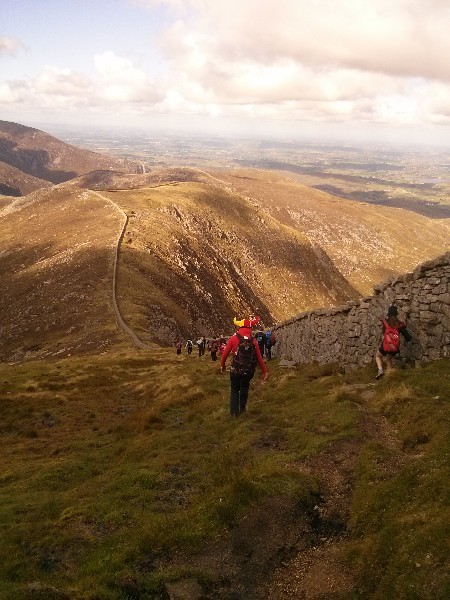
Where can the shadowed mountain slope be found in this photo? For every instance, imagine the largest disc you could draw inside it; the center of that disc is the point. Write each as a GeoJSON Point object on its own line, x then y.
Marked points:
{"type": "Point", "coordinates": [194, 256]}
{"type": "Point", "coordinates": [239, 242]}
{"type": "Point", "coordinates": [45, 157]}
{"type": "Point", "coordinates": [15, 183]}
{"type": "Point", "coordinates": [56, 261]}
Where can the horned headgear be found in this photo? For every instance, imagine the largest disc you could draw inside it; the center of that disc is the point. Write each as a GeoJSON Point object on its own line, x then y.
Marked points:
{"type": "Point", "coordinates": [246, 322]}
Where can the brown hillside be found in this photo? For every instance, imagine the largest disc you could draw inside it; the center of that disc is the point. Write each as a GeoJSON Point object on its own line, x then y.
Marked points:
{"type": "Point", "coordinates": [14, 182]}
{"type": "Point", "coordinates": [114, 180]}
{"type": "Point", "coordinates": [56, 253]}
{"type": "Point", "coordinates": [45, 157]}
{"type": "Point", "coordinates": [367, 243]}
{"type": "Point", "coordinates": [259, 241]}
{"type": "Point", "coordinates": [194, 256]}
{"type": "Point", "coordinates": [195, 253]}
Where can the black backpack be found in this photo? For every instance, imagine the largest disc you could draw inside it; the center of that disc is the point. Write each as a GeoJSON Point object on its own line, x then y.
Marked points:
{"type": "Point", "coordinates": [245, 361]}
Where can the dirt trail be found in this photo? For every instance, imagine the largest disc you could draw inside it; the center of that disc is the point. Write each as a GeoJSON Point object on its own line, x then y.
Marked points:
{"type": "Point", "coordinates": [136, 341]}
{"type": "Point", "coordinates": [320, 570]}
{"type": "Point", "coordinates": [283, 551]}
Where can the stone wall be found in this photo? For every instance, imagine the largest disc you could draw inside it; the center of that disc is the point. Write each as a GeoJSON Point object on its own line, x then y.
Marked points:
{"type": "Point", "coordinates": [350, 334]}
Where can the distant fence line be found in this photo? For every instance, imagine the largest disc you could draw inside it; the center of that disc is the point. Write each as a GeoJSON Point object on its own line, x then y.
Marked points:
{"type": "Point", "coordinates": [349, 335]}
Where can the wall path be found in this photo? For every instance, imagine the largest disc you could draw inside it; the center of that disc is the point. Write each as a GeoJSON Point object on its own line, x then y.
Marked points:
{"type": "Point", "coordinates": [349, 335]}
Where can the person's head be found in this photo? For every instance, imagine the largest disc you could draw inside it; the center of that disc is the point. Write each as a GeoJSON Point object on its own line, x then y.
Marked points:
{"type": "Point", "coordinates": [392, 315]}
{"type": "Point", "coordinates": [392, 311]}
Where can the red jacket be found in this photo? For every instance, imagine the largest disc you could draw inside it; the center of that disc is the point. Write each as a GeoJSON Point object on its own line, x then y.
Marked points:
{"type": "Point", "coordinates": [233, 344]}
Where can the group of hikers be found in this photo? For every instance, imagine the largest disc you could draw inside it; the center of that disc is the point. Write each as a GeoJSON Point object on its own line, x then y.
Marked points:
{"type": "Point", "coordinates": [249, 351]}
{"type": "Point", "coordinates": [213, 345]}
{"type": "Point", "coordinates": [266, 339]}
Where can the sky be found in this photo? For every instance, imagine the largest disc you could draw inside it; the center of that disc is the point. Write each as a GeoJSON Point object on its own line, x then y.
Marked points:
{"type": "Point", "coordinates": [356, 69]}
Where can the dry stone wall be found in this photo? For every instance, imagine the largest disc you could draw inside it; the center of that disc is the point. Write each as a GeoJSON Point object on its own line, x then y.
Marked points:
{"type": "Point", "coordinates": [350, 334]}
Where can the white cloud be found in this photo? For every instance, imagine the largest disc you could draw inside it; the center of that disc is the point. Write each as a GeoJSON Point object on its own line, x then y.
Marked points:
{"type": "Point", "coordinates": [337, 61]}
{"type": "Point", "coordinates": [61, 82]}
{"type": "Point", "coordinates": [121, 81]}
{"type": "Point", "coordinates": [13, 92]}
{"type": "Point", "coordinates": [9, 46]}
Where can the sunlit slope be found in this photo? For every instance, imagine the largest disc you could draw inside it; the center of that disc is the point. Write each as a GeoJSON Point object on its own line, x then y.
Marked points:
{"type": "Point", "coordinates": [56, 259]}
{"type": "Point", "coordinates": [195, 255]}
{"type": "Point", "coordinates": [122, 474]}
{"type": "Point", "coordinates": [366, 243]}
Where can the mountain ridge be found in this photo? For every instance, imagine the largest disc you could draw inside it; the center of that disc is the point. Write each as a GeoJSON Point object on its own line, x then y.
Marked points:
{"type": "Point", "coordinates": [200, 247]}
{"type": "Point", "coordinates": [43, 156]}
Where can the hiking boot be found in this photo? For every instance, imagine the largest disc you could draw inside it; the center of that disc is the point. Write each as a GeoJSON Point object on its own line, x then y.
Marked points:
{"type": "Point", "coordinates": [380, 374]}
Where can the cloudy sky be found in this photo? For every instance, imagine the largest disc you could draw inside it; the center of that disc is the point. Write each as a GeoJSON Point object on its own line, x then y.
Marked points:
{"type": "Point", "coordinates": [296, 67]}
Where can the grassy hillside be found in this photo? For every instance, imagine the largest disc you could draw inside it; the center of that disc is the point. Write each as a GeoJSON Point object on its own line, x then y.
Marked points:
{"type": "Point", "coordinates": [123, 476]}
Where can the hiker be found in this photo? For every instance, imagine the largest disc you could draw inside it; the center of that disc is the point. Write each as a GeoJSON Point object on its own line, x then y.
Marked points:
{"type": "Point", "coordinates": [246, 355]}
{"type": "Point", "coordinates": [261, 339]}
{"type": "Point", "coordinates": [213, 348]}
{"type": "Point", "coordinates": [222, 344]}
{"type": "Point", "coordinates": [390, 345]}
{"type": "Point", "coordinates": [189, 345]}
{"type": "Point", "coordinates": [270, 342]}
{"type": "Point", "coordinates": [178, 346]}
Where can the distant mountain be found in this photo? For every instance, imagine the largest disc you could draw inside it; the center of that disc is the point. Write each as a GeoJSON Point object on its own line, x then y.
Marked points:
{"type": "Point", "coordinates": [45, 157]}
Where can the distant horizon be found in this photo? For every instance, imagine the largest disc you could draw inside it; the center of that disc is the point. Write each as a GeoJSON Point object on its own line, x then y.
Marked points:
{"type": "Point", "coordinates": [337, 69]}
{"type": "Point", "coordinates": [341, 136]}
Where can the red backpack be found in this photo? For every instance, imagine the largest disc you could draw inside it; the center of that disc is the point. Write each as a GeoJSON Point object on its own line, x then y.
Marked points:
{"type": "Point", "coordinates": [391, 338]}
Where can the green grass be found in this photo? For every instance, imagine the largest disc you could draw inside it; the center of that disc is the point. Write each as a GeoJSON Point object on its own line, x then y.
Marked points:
{"type": "Point", "coordinates": [114, 465]}
{"type": "Point", "coordinates": [400, 521]}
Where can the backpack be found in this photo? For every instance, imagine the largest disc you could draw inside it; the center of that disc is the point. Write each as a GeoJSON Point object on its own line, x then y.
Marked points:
{"type": "Point", "coordinates": [245, 361]}
{"type": "Point", "coordinates": [391, 338]}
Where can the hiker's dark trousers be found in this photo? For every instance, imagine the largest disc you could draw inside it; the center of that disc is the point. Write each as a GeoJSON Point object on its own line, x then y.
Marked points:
{"type": "Point", "coordinates": [239, 393]}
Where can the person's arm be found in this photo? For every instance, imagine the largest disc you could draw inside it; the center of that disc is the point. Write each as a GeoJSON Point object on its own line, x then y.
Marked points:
{"type": "Point", "coordinates": [228, 348]}
{"type": "Point", "coordinates": [405, 333]}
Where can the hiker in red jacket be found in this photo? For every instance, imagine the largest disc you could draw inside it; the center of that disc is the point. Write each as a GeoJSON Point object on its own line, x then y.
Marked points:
{"type": "Point", "coordinates": [246, 355]}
